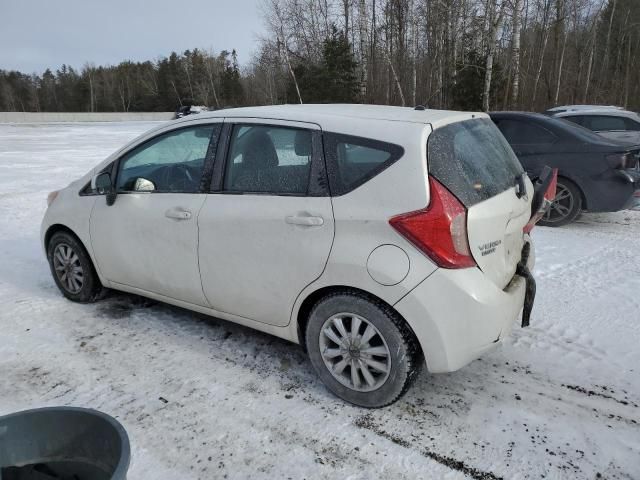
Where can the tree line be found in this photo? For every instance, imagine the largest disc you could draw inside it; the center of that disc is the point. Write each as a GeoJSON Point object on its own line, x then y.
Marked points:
{"type": "Point", "coordinates": [457, 54]}
{"type": "Point", "coordinates": [193, 76]}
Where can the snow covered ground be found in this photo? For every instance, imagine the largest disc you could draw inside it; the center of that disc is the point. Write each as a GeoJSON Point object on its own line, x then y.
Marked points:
{"type": "Point", "coordinates": [203, 398]}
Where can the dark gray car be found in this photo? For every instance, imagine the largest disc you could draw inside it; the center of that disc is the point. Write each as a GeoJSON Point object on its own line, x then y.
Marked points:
{"type": "Point", "coordinates": [594, 173]}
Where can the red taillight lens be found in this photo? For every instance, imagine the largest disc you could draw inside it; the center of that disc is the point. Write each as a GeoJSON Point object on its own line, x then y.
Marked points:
{"type": "Point", "coordinates": [440, 230]}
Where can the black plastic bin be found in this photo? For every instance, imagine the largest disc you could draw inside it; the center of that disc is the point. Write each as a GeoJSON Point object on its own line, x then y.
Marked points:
{"type": "Point", "coordinates": [65, 443]}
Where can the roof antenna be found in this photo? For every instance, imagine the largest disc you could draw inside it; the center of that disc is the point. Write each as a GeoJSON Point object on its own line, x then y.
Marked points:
{"type": "Point", "coordinates": [419, 107]}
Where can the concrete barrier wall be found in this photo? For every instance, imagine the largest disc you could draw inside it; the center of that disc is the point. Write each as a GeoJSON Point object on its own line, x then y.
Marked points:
{"type": "Point", "coordinates": [44, 117]}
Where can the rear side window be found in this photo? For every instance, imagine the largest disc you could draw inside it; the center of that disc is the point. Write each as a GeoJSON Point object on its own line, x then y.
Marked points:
{"type": "Point", "coordinates": [605, 123]}
{"type": "Point", "coordinates": [269, 159]}
{"type": "Point", "coordinates": [351, 160]}
{"type": "Point", "coordinates": [523, 133]}
{"type": "Point", "coordinates": [632, 125]}
{"type": "Point", "coordinates": [472, 160]}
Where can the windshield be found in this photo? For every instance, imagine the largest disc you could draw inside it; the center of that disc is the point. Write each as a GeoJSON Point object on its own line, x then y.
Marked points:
{"type": "Point", "coordinates": [473, 160]}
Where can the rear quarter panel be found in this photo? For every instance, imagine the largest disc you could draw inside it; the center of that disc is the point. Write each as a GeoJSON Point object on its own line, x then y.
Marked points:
{"type": "Point", "coordinates": [602, 188]}
{"type": "Point", "coordinates": [362, 215]}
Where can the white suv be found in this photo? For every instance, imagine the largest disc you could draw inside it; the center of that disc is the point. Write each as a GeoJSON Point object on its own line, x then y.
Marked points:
{"type": "Point", "coordinates": [379, 238]}
{"type": "Point", "coordinates": [613, 123]}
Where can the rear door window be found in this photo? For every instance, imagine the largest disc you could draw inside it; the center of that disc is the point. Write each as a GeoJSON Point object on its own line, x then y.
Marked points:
{"type": "Point", "coordinates": [351, 160]}
{"type": "Point", "coordinates": [269, 159]}
{"type": "Point", "coordinates": [522, 133]}
{"type": "Point", "coordinates": [473, 160]}
{"type": "Point", "coordinates": [579, 119]}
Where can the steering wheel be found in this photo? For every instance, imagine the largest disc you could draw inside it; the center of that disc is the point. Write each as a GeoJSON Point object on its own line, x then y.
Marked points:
{"type": "Point", "coordinates": [177, 178]}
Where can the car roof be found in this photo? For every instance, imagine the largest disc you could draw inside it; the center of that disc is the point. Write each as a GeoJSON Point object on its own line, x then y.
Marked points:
{"type": "Point", "coordinates": [512, 114]}
{"type": "Point", "coordinates": [602, 111]}
{"type": "Point", "coordinates": [583, 107]}
{"type": "Point", "coordinates": [320, 112]}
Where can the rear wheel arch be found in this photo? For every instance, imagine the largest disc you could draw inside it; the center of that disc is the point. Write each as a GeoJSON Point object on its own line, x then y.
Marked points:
{"type": "Point", "coordinates": [367, 374]}
{"type": "Point", "coordinates": [566, 206]}
{"type": "Point", "coordinates": [302, 318]}
{"type": "Point", "coordinates": [564, 176]}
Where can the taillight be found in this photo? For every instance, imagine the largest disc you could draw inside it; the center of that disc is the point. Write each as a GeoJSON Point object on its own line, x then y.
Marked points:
{"type": "Point", "coordinates": [439, 230]}
{"type": "Point", "coordinates": [622, 160]}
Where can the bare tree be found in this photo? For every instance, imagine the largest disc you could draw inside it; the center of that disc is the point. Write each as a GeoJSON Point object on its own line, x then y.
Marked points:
{"type": "Point", "coordinates": [515, 51]}
{"type": "Point", "coordinates": [495, 14]}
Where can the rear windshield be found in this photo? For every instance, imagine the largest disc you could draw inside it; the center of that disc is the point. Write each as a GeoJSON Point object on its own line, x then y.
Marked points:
{"type": "Point", "coordinates": [473, 160]}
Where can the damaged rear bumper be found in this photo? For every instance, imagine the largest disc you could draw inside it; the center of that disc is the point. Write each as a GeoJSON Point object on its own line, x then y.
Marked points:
{"type": "Point", "coordinates": [458, 315]}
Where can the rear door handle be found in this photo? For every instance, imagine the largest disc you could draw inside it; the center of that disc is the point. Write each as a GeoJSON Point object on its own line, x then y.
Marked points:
{"type": "Point", "coordinates": [306, 220]}
{"type": "Point", "coordinates": [178, 214]}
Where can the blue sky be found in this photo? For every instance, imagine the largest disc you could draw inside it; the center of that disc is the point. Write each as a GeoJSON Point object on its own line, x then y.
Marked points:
{"type": "Point", "coordinates": [36, 34]}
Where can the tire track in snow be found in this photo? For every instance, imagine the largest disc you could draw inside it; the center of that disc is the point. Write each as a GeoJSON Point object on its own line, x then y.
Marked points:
{"type": "Point", "coordinates": [131, 322]}
{"type": "Point", "coordinates": [367, 422]}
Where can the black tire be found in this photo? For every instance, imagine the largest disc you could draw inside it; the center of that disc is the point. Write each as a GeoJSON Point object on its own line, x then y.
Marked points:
{"type": "Point", "coordinates": [403, 359]}
{"type": "Point", "coordinates": [90, 289]}
{"type": "Point", "coordinates": [566, 206]}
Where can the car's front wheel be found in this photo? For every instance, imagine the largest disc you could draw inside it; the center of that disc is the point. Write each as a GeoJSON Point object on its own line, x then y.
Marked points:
{"type": "Point", "coordinates": [361, 349]}
{"type": "Point", "coordinates": [566, 206]}
{"type": "Point", "coordinates": [72, 268]}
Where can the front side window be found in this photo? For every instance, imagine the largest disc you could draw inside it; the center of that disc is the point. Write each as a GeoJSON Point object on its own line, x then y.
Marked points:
{"type": "Point", "coordinates": [170, 163]}
{"type": "Point", "coordinates": [579, 119]}
{"type": "Point", "coordinates": [268, 159]}
{"type": "Point", "coordinates": [472, 160]}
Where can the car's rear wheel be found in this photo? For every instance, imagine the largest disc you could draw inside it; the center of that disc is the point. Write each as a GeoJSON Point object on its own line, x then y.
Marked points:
{"type": "Point", "coordinates": [362, 350]}
{"type": "Point", "coordinates": [566, 206]}
{"type": "Point", "coordinates": [72, 268]}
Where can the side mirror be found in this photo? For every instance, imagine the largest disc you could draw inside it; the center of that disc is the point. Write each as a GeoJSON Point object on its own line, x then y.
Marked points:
{"type": "Point", "coordinates": [143, 185]}
{"type": "Point", "coordinates": [103, 185]}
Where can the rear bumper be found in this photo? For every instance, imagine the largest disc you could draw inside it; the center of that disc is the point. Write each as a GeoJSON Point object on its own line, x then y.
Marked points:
{"type": "Point", "coordinates": [458, 315]}
{"type": "Point", "coordinates": [612, 191]}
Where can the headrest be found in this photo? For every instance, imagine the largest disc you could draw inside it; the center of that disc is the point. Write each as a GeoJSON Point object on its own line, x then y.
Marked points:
{"type": "Point", "coordinates": [259, 151]}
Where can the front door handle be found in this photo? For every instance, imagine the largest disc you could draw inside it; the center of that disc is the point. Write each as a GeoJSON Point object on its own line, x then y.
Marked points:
{"type": "Point", "coordinates": [178, 214]}
{"type": "Point", "coordinates": [305, 220]}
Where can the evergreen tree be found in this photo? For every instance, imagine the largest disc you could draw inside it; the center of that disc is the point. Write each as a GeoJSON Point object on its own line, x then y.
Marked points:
{"type": "Point", "coordinates": [334, 79]}
{"type": "Point", "coordinates": [232, 91]}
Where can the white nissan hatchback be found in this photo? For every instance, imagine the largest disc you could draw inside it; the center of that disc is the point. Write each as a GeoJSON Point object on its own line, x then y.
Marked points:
{"type": "Point", "coordinates": [379, 238]}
